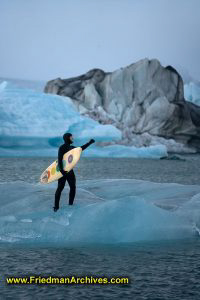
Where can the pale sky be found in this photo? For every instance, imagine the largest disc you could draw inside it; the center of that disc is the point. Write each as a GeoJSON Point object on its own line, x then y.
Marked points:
{"type": "Point", "coordinates": [46, 39]}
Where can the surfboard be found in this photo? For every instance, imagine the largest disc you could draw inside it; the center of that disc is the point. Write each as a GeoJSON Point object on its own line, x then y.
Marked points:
{"type": "Point", "coordinates": [53, 173]}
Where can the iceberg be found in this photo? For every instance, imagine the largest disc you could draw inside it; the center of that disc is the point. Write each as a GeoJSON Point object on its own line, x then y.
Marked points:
{"type": "Point", "coordinates": [32, 124]}
{"type": "Point", "coordinates": [142, 98]}
{"type": "Point", "coordinates": [110, 211]}
{"type": "Point", "coordinates": [192, 92]}
{"type": "Point", "coordinates": [3, 85]}
{"type": "Point", "coordinates": [128, 151]}
{"type": "Point", "coordinates": [24, 112]}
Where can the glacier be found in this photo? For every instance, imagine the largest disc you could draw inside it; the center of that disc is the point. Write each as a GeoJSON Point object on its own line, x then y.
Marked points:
{"type": "Point", "coordinates": [32, 124]}
{"type": "Point", "coordinates": [110, 211]}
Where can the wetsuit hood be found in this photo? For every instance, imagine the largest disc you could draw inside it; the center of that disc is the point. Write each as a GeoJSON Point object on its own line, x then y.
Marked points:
{"type": "Point", "coordinates": [66, 138]}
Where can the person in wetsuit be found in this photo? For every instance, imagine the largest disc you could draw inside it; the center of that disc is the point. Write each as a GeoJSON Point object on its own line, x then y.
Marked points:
{"type": "Point", "coordinates": [67, 176]}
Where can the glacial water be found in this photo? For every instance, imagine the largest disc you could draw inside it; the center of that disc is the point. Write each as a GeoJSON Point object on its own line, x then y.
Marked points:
{"type": "Point", "coordinates": [136, 218]}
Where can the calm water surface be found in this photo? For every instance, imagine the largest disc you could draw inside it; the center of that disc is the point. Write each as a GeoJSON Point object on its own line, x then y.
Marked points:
{"type": "Point", "coordinates": [180, 171]}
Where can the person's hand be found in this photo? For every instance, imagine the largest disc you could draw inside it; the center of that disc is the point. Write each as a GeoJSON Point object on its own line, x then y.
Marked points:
{"type": "Point", "coordinates": [64, 173]}
{"type": "Point", "coordinates": [92, 141]}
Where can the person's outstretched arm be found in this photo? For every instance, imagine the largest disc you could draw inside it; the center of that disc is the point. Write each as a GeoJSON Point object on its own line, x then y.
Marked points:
{"type": "Point", "coordinates": [88, 144]}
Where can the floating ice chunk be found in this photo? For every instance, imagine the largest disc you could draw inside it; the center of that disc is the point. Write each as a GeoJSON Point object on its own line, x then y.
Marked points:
{"type": "Point", "coordinates": [126, 151]}
{"type": "Point", "coordinates": [26, 220]}
{"type": "Point", "coordinates": [88, 128]}
{"type": "Point", "coordinates": [112, 211]}
{"type": "Point", "coordinates": [192, 92]}
{"type": "Point", "coordinates": [3, 85]}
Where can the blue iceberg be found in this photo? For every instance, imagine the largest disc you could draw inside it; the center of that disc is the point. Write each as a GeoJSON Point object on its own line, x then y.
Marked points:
{"type": "Point", "coordinates": [108, 211]}
{"type": "Point", "coordinates": [32, 124]}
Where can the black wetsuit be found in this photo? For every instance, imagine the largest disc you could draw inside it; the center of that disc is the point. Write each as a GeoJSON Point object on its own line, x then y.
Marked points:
{"type": "Point", "coordinates": [70, 176]}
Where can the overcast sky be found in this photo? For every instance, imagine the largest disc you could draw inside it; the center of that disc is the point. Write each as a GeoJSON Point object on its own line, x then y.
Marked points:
{"type": "Point", "coordinates": [45, 39]}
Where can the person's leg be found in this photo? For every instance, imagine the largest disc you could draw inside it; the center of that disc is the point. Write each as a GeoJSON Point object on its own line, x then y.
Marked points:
{"type": "Point", "coordinates": [61, 184]}
{"type": "Point", "coordinates": [71, 179]}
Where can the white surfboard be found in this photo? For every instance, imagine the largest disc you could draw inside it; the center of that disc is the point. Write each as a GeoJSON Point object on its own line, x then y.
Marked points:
{"type": "Point", "coordinates": [53, 173]}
